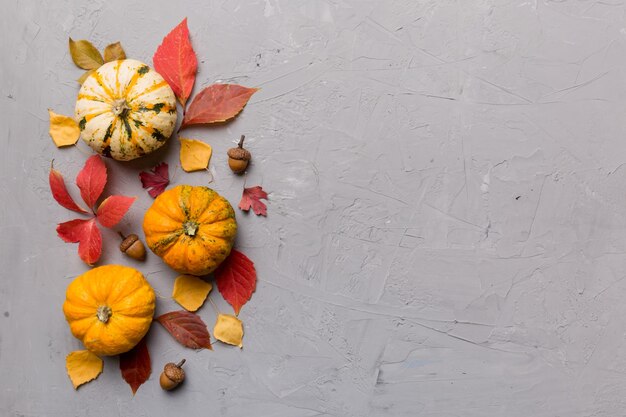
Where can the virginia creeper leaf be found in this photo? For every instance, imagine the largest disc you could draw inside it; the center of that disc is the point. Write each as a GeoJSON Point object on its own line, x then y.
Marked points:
{"type": "Point", "coordinates": [194, 154]}
{"type": "Point", "coordinates": [236, 279]}
{"type": "Point", "coordinates": [83, 366]}
{"type": "Point", "coordinates": [92, 179]}
{"type": "Point", "coordinates": [113, 208]}
{"type": "Point", "coordinates": [88, 236]}
{"type": "Point", "coordinates": [64, 130]}
{"type": "Point", "coordinates": [85, 55]}
{"type": "Point", "coordinates": [217, 103]}
{"type": "Point", "coordinates": [228, 329]}
{"type": "Point", "coordinates": [156, 180]}
{"type": "Point", "coordinates": [252, 198]}
{"type": "Point", "coordinates": [60, 193]}
{"type": "Point", "coordinates": [113, 52]}
{"type": "Point", "coordinates": [135, 365]}
{"type": "Point", "coordinates": [176, 61]}
{"type": "Point", "coordinates": [190, 291]}
{"type": "Point", "coordinates": [187, 328]}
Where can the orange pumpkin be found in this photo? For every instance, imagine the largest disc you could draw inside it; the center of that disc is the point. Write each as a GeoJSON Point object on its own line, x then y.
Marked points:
{"type": "Point", "coordinates": [192, 228]}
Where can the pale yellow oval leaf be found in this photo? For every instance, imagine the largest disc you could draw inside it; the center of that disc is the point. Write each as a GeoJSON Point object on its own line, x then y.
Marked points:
{"type": "Point", "coordinates": [85, 75]}
{"type": "Point", "coordinates": [85, 55]}
{"type": "Point", "coordinates": [190, 292]}
{"type": "Point", "coordinates": [194, 154]}
{"type": "Point", "coordinates": [64, 130]}
{"type": "Point", "coordinates": [228, 329]}
{"type": "Point", "coordinates": [83, 366]}
{"type": "Point", "coordinates": [114, 52]}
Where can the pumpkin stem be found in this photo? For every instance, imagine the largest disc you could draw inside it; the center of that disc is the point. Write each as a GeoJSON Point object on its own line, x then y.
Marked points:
{"type": "Point", "coordinates": [190, 228]}
{"type": "Point", "coordinates": [120, 108]}
{"type": "Point", "coordinates": [104, 313]}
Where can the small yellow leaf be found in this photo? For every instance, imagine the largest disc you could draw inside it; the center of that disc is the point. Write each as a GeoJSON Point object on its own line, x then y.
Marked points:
{"type": "Point", "coordinates": [83, 366]}
{"type": "Point", "coordinates": [228, 329]}
{"type": "Point", "coordinates": [85, 55]}
{"type": "Point", "coordinates": [194, 155]}
{"type": "Point", "coordinates": [85, 75]}
{"type": "Point", "coordinates": [64, 130]}
{"type": "Point", "coordinates": [190, 292]}
{"type": "Point", "coordinates": [114, 52]}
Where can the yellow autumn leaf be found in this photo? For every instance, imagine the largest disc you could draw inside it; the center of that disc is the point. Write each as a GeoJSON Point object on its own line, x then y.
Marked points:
{"type": "Point", "coordinates": [64, 130]}
{"type": "Point", "coordinates": [85, 75]}
{"type": "Point", "coordinates": [190, 292]}
{"type": "Point", "coordinates": [113, 52]}
{"type": "Point", "coordinates": [85, 55]}
{"type": "Point", "coordinates": [228, 329]}
{"type": "Point", "coordinates": [83, 366]}
{"type": "Point", "coordinates": [194, 154]}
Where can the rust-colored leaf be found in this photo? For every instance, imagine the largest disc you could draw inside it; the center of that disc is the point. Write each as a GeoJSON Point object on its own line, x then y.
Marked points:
{"type": "Point", "coordinates": [217, 103]}
{"type": "Point", "coordinates": [187, 328]}
{"type": "Point", "coordinates": [88, 236]}
{"type": "Point", "coordinates": [92, 179]}
{"type": "Point", "coordinates": [114, 52]}
{"type": "Point", "coordinates": [113, 208]}
{"type": "Point", "coordinates": [135, 365]}
{"type": "Point", "coordinates": [252, 198]}
{"type": "Point", "coordinates": [60, 193]}
{"type": "Point", "coordinates": [236, 279]}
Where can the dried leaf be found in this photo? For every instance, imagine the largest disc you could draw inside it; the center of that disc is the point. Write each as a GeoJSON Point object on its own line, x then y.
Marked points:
{"type": "Point", "coordinates": [64, 130]}
{"type": "Point", "coordinates": [252, 198]}
{"type": "Point", "coordinates": [92, 179]}
{"type": "Point", "coordinates": [114, 52]}
{"type": "Point", "coordinates": [156, 180]}
{"type": "Point", "coordinates": [217, 103]}
{"type": "Point", "coordinates": [176, 61]}
{"type": "Point", "coordinates": [228, 329]}
{"type": "Point", "coordinates": [85, 75]}
{"type": "Point", "coordinates": [85, 55]}
{"type": "Point", "coordinates": [194, 154]}
{"type": "Point", "coordinates": [135, 365]}
{"type": "Point", "coordinates": [236, 279]}
{"type": "Point", "coordinates": [60, 193]}
{"type": "Point", "coordinates": [113, 208]}
{"type": "Point", "coordinates": [83, 366]}
{"type": "Point", "coordinates": [190, 291]}
{"type": "Point", "coordinates": [187, 328]}
{"type": "Point", "coordinates": [88, 236]}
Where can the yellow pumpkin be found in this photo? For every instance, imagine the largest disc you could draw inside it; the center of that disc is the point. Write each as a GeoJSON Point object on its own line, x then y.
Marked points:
{"type": "Point", "coordinates": [125, 110]}
{"type": "Point", "coordinates": [192, 228]}
{"type": "Point", "coordinates": [109, 308]}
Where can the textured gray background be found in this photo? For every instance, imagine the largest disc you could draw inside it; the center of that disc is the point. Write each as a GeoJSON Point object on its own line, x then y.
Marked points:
{"type": "Point", "coordinates": [447, 225]}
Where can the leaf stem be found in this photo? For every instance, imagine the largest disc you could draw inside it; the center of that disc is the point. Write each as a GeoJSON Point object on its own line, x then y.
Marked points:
{"type": "Point", "coordinates": [213, 305]}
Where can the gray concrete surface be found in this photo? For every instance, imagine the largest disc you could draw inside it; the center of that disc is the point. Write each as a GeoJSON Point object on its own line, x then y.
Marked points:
{"type": "Point", "coordinates": [446, 231]}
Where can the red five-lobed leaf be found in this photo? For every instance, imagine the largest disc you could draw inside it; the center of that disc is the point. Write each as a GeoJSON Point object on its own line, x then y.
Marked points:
{"type": "Point", "coordinates": [156, 180]}
{"type": "Point", "coordinates": [236, 279]}
{"type": "Point", "coordinates": [187, 328]}
{"type": "Point", "coordinates": [88, 236]}
{"type": "Point", "coordinates": [135, 365]}
{"type": "Point", "coordinates": [113, 208]}
{"type": "Point", "coordinates": [59, 192]}
{"type": "Point", "coordinates": [252, 198]}
{"type": "Point", "coordinates": [217, 103]}
{"type": "Point", "coordinates": [176, 61]}
{"type": "Point", "coordinates": [92, 179]}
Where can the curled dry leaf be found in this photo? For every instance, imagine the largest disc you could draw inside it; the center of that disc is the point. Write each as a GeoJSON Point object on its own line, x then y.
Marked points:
{"type": "Point", "coordinates": [190, 291]}
{"type": "Point", "coordinates": [83, 366]}
{"type": "Point", "coordinates": [64, 130]}
{"type": "Point", "coordinates": [92, 179]}
{"type": "Point", "coordinates": [228, 329]}
{"type": "Point", "coordinates": [88, 236]}
{"type": "Point", "coordinates": [217, 103]}
{"type": "Point", "coordinates": [187, 328]}
{"type": "Point", "coordinates": [114, 52]}
{"type": "Point", "coordinates": [113, 208]}
{"type": "Point", "coordinates": [236, 279]}
{"type": "Point", "coordinates": [156, 180]}
{"type": "Point", "coordinates": [252, 197]}
{"type": "Point", "coordinates": [85, 55]}
{"type": "Point", "coordinates": [194, 154]}
{"type": "Point", "coordinates": [135, 365]}
{"type": "Point", "coordinates": [85, 75]}
{"type": "Point", "coordinates": [60, 193]}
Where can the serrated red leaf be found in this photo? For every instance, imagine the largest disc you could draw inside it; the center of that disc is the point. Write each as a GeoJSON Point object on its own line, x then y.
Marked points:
{"type": "Point", "coordinates": [176, 61]}
{"type": "Point", "coordinates": [113, 208]}
{"type": "Point", "coordinates": [60, 193]}
{"type": "Point", "coordinates": [187, 328]}
{"type": "Point", "coordinates": [252, 198]}
{"type": "Point", "coordinates": [91, 180]}
{"type": "Point", "coordinates": [236, 279]}
{"type": "Point", "coordinates": [88, 236]}
{"type": "Point", "coordinates": [156, 180]}
{"type": "Point", "coordinates": [135, 365]}
{"type": "Point", "coordinates": [217, 103]}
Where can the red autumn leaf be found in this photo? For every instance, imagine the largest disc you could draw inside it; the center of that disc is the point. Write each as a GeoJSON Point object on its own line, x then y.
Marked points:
{"type": "Point", "coordinates": [187, 328]}
{"type": "Point", "coordinates": [236, 279]}
{"type": "Point", "coordinates": [252, 198]}
{"type": "Point", "coordinates": [88, 236]}
{"type": "Point", "coordinates": [92, 179]}
{"type": "Point", "coordinates": [59, 192]}
{"type": "Point", "coordinates": [156, 180]}
{"type": "Point", "coordinates": [217, 103]}
{"type": "Point", "coordinates": [135, 365]}
{"type": "Point", "coordinates": [176, 61]}
{"type": "Point", "coordinates": [113, 208]}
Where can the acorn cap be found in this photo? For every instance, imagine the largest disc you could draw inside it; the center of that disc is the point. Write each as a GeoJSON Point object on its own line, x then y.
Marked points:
{"type": "Point", "coordinates": [128, 242]}
{"type": "Point", "coordinates": [239, 153]}
{"type": "Point", "coordinates": [174, 372]}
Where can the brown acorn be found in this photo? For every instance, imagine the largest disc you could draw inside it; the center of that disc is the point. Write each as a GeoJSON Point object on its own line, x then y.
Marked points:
{"type": "Point", "coordinates": [172, 375]}
{"type": "Point", "coordinates": [133, 247]}
{"type": "Point", "coordinates": [239, 157]}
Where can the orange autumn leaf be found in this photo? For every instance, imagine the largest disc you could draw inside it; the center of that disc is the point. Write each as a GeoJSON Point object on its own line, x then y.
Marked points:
{"type": "Point", "coordinates": [194, 154]}
{"type": "Point", "coordinates": [83, 366]}
{"type": "Point", "coordinates": [217, 103]}
{"type": "Point", "coordinates": [190, 291]}
{"type": "Point", "coordinates": [64, 130]}
{"type": "Point", "coordinates": [228, 329]}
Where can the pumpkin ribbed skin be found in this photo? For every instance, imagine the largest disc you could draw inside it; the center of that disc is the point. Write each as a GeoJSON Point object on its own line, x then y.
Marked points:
{"type": "Point", "coordinates": [192, 228]}
{"type": "Point", "coordinates": [125, 110]}
{"type": "Point", "coordinates": [130, 301]}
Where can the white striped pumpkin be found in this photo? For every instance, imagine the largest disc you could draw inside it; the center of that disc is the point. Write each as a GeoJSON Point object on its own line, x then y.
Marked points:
{"type": "Point", "coordinates": [125, 110]}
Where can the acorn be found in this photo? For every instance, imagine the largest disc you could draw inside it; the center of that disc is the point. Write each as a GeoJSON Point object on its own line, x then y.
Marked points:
{"type": "Point", "coordinates": [133, 247]}
{"type": "Point", "coordinates": [172, 375]}
{"type": "Point", "coordinates": [239, 157]}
